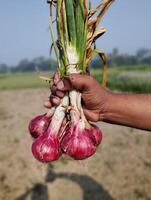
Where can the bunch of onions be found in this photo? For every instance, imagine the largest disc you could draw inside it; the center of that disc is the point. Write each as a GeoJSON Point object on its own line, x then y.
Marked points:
{"type": "Point", "coordinates": [77, 28]}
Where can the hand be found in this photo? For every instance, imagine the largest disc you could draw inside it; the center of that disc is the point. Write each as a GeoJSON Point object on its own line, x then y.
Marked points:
{"type": "Point", "coordinates": [93, 95]}
{"type": "Point", "coordinates": [133, 110]}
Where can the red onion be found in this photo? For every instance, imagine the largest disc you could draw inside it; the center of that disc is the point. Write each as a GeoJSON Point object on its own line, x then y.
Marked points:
{"type": "Point", "coordinates": [46, 148]}
{"type": "Point", "coordinates": [39, 124]}
{"type": "Point", "coordinates": [78, 142]}
{"type": "Point", "coordinates": [96, 132]}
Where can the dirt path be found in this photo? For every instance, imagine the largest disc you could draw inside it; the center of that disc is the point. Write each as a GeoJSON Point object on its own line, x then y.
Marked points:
{"type": "Point", "coordinates": [121, 168]}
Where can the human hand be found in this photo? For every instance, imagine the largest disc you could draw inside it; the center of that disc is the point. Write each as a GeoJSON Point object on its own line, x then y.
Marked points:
{"type": "Point", "coordinates": [93, 95]}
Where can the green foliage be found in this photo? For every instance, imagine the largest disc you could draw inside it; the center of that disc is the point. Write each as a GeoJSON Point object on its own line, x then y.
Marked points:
{"type": "Point", "coordinates": [72, 20]}
{"type": "Point", "coordinates": [142, 56]}
{"type": "Point", "coordinates": [129, 84]}
{"type": "Point", "coordinates": [125, 78]}
{"type": "Point", "coordinates": [128, 80]}
{"type": "Point", "coordinates": [140, 61]}
{"type": "Point", "coordinates": [29, 66]}
{"type": "Point", "coordinates": [20, 81]}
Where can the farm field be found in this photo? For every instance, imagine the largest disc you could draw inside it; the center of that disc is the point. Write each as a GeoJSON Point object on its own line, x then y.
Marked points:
{"type": "Point", "coordinates": [125, 78]}
{"type": "Point", "coordinates": [120, 170]}
{"type": "Point", "coordinates": [20, 81]}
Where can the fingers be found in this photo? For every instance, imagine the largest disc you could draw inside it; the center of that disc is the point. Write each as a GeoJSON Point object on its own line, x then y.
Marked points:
{"type": "Point", "coordinates": [56, 78]}
{"type": "Point", "coordinates": [60, 94]}
{"type": "Point", "coordinates": [56, 95]}
{"type": "Point", "coordinates": [53, 89]}
{"type": "Point", "coordinates": [89, 114]}
{"type": "Point", "coordinates": [47, 104]}
{"type": "Point", "coordinates": [55, 101]}
{"type": "Point", "coordinates": [93, 117]}
{"type": "Point", "coordinates": [64, 85]}
{"type": "Point", "coordinates": [77, 81]}
{"type": "Point", "coordinates": [56, 92]}
{"type": "Point", "coordinates": [74, 81]}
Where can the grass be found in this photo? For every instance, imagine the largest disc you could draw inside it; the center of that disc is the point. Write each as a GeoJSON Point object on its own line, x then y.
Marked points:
{"type": "Point", "coordinates": [128, 78]}
{"type": "Point", "coordinates": [20, 81]}
{"type": "Point", "coordinates": [124, 78]}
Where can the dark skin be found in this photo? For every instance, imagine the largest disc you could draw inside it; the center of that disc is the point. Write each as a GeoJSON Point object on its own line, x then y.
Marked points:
{"type": "Point", "coordinates": [99, 104]}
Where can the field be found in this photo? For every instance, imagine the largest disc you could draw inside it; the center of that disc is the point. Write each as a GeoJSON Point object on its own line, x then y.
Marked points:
{"type": "Point", "coordinates": [120, 170]}
{"type": "Point", "coordinates": [125, 78]}
{"type": "Point", "coordinates": [20, 81]}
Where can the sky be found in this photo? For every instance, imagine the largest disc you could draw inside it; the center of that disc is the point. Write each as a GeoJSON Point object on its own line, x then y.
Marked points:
{"type": "Point", "coordinates": [24, 28]}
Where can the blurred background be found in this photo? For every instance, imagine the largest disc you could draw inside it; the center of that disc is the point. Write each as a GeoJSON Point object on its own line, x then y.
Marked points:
{"type": "Point", "coordinates": [121, 168]}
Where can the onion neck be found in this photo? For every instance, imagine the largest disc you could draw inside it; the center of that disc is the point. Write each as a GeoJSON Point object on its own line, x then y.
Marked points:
{"type": "Point", "coordinates": [77, 114]}
{"type": "Point", "coordinates": [59, 116]}
{"type": "Point", "coordinates": [50, 112]}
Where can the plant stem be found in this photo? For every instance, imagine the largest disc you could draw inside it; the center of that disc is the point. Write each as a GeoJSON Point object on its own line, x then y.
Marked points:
{"type": "Point", "coordinates": [51, 111]}
{"type": "Point", "coordinates": [53, 38]}
{"type": "Point", "coordinates": [59, 115]}
{"type": "Point", "coordinates": [71, 21]}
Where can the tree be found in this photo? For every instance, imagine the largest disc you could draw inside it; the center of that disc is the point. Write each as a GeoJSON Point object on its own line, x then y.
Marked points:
{"type": "Point", "coordinates": [3, 68]}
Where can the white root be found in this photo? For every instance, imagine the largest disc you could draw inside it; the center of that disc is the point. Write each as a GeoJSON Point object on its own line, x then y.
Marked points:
{"type": "Point", "coordinates": [74, 95]}
{"type": "Point", "coordinates": [51, 111]}
{"type": "Point", "coordinates": [75, 114]}
{"type": "Point", "coordinates": [75, 100]}
{"type": "Point", "coordinates": [59, 115]}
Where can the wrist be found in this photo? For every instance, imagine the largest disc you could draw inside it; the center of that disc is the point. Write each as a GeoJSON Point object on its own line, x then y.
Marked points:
{"type": "Point", "coordinates": [115, 108]}
{"type": "Point", "coordinates": [107, 105]}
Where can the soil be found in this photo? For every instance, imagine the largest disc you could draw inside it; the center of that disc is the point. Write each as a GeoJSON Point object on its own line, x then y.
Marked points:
{"type": "Point", "coordinates": [120, 170]}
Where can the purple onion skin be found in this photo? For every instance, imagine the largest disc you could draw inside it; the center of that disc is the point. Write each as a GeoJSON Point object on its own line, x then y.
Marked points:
{"type": "Point", "coordinates": [46, 148]}
{"type": "Point", "coordinates": [39, 125]}
{"type": "Point", "coordinates": [78, 143]}
{"type": "Point", "coordinates": [97, 133]}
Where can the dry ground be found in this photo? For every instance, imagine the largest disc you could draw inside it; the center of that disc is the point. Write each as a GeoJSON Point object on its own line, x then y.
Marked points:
{"type": "Point", "coordinates": [120, 170]}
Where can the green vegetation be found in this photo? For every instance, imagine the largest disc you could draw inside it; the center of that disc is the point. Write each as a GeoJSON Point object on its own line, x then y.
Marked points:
{"type": "Point", "coordinates": [125, 78]}
{"type": "Point", "coordinates": [128, 78]}
{"type": "Point", "coordinates": [20, 81]}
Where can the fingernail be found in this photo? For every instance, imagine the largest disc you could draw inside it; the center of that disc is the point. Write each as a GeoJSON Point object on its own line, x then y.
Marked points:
{"type": "Point", "coordinates": [60, 85]}
{"type": "Point", "coordinates": [56, 101]}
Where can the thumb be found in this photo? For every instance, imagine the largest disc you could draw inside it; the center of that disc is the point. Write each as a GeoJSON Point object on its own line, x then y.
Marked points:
{"type": "Point", "coordinates": [76, 81]}
{"type": "Point", "coordinates": [91, 116]}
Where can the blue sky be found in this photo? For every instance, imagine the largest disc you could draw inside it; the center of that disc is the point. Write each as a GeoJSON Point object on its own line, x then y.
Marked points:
{"type": "Point", "coordinates": [24, 29]}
